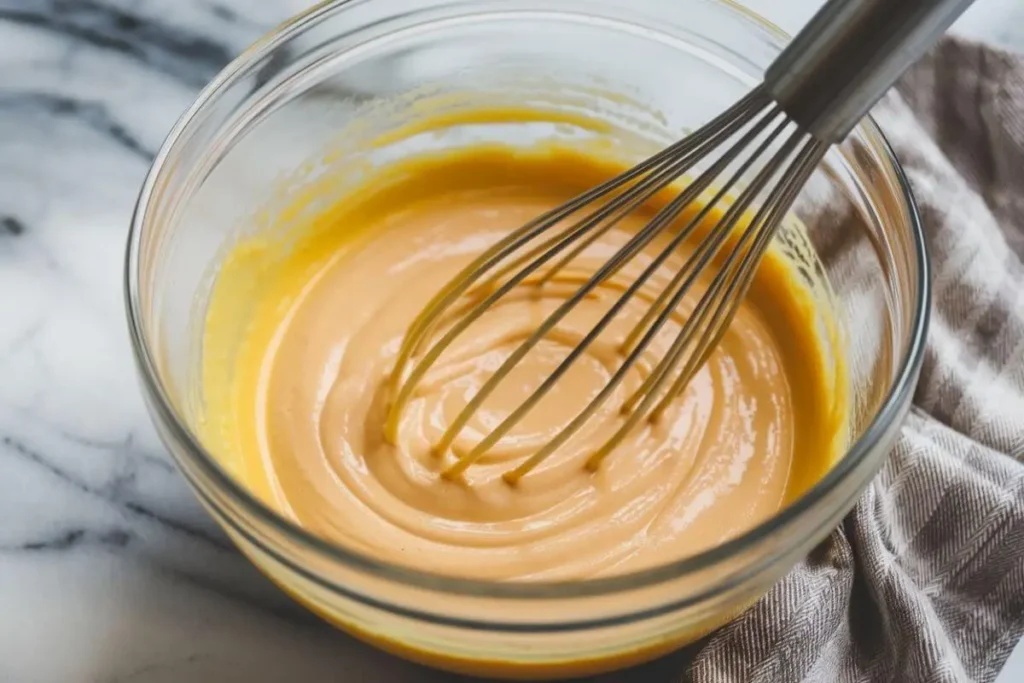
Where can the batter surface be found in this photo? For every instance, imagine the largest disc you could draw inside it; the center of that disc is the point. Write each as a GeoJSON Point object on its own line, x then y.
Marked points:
{"type": "Point", "coordinates": [299, 344]}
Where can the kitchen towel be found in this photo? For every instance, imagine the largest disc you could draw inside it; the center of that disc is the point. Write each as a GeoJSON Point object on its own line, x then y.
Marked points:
{"type": "Point", "coordinates": [924, 581]}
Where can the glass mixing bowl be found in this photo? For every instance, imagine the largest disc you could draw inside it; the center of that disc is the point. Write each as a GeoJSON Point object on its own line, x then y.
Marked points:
{"type": "Point", "coordinates": [656, 68]}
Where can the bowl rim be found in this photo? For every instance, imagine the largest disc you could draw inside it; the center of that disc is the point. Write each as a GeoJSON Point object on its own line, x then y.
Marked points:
{"type": "Point", "coordinates": [173, 427]}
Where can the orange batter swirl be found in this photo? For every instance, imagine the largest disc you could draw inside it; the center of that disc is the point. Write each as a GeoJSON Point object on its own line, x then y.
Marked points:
{"type": "Point", "coordinates": [299, 343]}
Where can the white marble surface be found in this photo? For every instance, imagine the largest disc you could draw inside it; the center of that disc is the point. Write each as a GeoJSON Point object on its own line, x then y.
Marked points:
{"type": "Point", "coordinates": [109, 570]}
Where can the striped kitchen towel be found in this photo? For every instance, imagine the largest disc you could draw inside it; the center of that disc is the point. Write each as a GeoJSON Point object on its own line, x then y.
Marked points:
{"type": "Point", "coordinates": [924, 581]}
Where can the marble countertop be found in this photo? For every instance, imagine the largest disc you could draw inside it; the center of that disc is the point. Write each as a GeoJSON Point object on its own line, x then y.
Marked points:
{"type": "Point", "coordinates": [110, 572]}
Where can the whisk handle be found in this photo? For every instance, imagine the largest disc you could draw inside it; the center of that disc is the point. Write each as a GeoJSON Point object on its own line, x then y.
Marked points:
{"type": "Point", "coordinates": [849, 54]}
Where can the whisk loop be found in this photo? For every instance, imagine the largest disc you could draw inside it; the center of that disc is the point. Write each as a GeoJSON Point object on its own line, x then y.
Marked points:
{"type": "Point", "coordinates": [537, 252]}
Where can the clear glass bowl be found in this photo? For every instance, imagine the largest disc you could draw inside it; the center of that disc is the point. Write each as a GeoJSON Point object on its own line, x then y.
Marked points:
{"type": "Point", "coordinates": [659, 68]}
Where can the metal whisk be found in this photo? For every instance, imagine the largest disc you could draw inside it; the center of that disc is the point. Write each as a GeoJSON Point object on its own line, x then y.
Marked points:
{"type": "Point", "coordinates": [765, 147]}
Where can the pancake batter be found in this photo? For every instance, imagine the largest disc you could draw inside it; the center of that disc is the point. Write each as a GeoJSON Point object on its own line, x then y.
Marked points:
{"type": "Point", "coordinates": [299, 345]}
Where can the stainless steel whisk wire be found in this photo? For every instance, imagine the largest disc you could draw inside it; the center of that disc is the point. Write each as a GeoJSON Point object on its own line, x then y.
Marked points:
{"type": "Point", "coordinates": [813, 90]}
